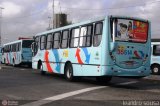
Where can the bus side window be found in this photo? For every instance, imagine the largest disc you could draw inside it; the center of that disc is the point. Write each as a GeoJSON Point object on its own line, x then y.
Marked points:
{"type": "Point", "coordinates": [14, 47]}
{"type": "Point", "coordinates": [43, 42]}
{"type": "Point", "coordinates": [56, 40]}
{"type": "Point", "coordinates": [97, 34]}
{"type": "Point", "coordinates": [156, 50]}
{"type": "Point", "coordinates": [49, 41]}
{"type": "Point", "coordinates": [2, 51]}
{"type": "Point", "coordinates": [37, 40]}
{"type": "Point", "coordinates": [64, 41]}
{"type": "Point", "coordinates": [74, 37]}
{"type": "Point", "coordinates": [86, 36]}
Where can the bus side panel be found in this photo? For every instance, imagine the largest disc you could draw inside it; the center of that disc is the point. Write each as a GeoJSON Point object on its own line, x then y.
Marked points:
{"type": "Point", "coordinates": [8, 58]}
{"type": "Point", "coordinates": [92, 62]}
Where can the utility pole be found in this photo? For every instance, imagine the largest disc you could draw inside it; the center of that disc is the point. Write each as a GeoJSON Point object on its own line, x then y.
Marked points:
{"type": "Point", "coordinates": [1, 8]}
{"type": "Point", "coordinates": [53, 14]}
{"type": "Point", "coordinates": [49, 23]}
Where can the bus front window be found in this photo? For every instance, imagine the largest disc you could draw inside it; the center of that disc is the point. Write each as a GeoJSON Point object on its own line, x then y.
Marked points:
{"type": "Point", "coordinates": [128, 30]}
{"type": "Point", "coordinates": [27, 43]}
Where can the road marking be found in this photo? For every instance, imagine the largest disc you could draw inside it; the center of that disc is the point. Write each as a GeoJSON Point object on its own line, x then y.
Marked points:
{"type": "Point", "coordinates": [127, 83]}
{"type": "Point", "coordinates": [69, 94]}
{"type": "Point", "coordinates": [62, 96]}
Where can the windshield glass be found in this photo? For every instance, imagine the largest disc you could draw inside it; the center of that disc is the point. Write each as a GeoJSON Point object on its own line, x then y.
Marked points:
{"type": "Point", "coordinates": [27, 43]}
{"type": "Point", "coordinates": [130, 30]}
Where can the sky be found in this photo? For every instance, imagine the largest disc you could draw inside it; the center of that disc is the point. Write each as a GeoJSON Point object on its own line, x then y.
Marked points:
{"type": "Point", "coordinates": [26, 18]}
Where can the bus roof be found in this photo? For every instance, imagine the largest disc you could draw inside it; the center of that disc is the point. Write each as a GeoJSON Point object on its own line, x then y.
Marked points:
{"type": "Point", "coordinates": [87, 22]}
{"type": "Point", "coordinates": [17, 41]}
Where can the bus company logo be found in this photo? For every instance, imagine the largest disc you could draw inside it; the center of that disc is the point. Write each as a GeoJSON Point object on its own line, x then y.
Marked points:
{"type": "Point", "coordinates": [65, 53]}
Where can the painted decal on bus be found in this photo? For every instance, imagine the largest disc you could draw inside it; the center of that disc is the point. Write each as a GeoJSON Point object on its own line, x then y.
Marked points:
{"type": "Point", "coordinates": [15, 56]}
{"type": "Point", "coordinates": [7, 58]}
{"type": "Point", "coordinates": [78, 56]}
{"type": "Point", "coordinates": [123, 51]}
{"type": "Point", "coordinates": [56, 55]}
{"type": "Point", "coordinates": [46, 58]}
{"type": "Point", "coordinates": [65, 53]}
{"type": "Point", "coordinates": [87, 55]}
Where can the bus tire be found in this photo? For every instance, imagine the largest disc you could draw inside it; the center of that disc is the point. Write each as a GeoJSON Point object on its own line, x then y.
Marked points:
{"type": "Point", "coordinates": [155, 69]}
{"type": "Point", "coordinates": [103, 79]}
{"type": "Point", "coordinates": [69, 72]}
{"type": "Point", "coordinates": [41, 70]}
{"type": "Point", "coordinates": [14, 65]}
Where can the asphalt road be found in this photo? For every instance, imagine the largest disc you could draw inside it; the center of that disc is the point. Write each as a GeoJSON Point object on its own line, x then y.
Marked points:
{"type": "Point", "coordinates": [25, 86]}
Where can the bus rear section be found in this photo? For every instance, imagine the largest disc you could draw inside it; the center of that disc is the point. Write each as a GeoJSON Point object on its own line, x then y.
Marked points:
{"type": "Point", "coordinates": [26, 52]}
{"type": "Point", "coordinates": [129, 47]}
{"type": "Point", "coordinates": [155, 56]}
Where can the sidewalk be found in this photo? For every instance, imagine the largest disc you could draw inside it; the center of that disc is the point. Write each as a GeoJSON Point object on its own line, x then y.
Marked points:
{"type": "Point", "coordinates": [153, 77]}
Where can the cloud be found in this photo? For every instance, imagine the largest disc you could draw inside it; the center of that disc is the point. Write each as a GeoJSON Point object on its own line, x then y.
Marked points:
{"type": "Point", "coordinates": [11, 9]}
{"type": "Point", "coordinates": [28, 17]}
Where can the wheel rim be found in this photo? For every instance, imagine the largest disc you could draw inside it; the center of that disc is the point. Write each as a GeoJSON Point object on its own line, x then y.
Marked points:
{"type": "Point", "coordinates": [155, 70]}
{"type": "Point", "coordinates": [69, 73]}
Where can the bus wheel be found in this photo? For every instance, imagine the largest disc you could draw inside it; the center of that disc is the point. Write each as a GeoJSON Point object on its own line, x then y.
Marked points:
{"type": "Point", "coordinates": [69, 72]}
{"type": "Point", "coordinates": [41, 70]}
{"type": "Point", "coordinates": [103, 79]}
{"type": "Point", "coordinates": [14, 65]}
{"type": "Point", "coordinates": [155, 69]}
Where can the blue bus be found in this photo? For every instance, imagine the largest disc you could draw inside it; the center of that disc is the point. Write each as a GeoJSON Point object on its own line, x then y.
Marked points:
{"type": "Point", "coordinates": [155, 56]}
{"type": "Point", "coordinates": [17, 53]}
{"type": "Point", "coordinates": [0, 54]}
{"type": "Point", "coordinates": [102, 47]}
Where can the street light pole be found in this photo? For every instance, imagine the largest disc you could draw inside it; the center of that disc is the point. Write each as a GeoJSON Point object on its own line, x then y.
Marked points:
{"type": "Point", "coordinates": [1, 8]}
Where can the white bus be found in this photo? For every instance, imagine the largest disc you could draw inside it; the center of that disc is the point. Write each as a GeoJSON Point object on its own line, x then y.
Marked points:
{"type": "Point", "coordinates": [155, 56]}
{"type": "Point", "coordinates": [17, 53]}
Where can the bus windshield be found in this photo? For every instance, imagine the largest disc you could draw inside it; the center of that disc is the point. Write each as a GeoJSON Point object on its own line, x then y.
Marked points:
{"type": "Point", "coordinates": [27, 43]}
{"type": "Point", "coordinates": [129, 30]}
